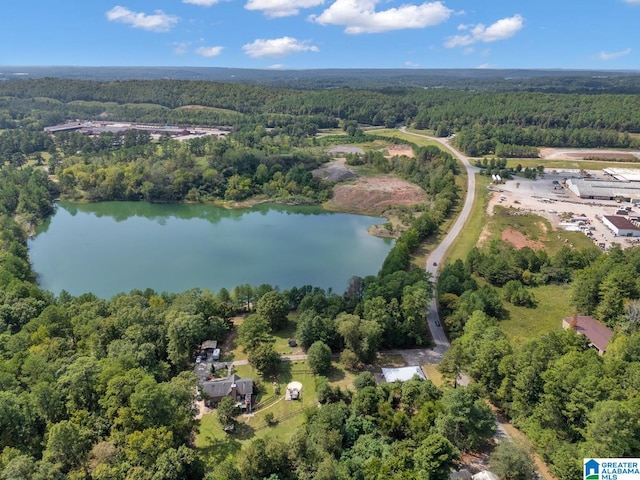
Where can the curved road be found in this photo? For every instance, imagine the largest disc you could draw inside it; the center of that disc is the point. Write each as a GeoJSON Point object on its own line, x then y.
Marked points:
{"type": "Point", "coordinates": [436, 257]}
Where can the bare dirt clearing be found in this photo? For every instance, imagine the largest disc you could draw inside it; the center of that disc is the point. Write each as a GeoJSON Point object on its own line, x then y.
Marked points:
{"type": "Point", "coordinates": [397, 150]}
{"type": "Point", "coordinates": [519, 240]}
{"type": "Point", "coordinates": [374, 195]}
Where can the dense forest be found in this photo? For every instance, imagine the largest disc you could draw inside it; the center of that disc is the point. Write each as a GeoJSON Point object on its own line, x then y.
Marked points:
{"type": "Point", "coordinates": [482, 121]}
{"type": "Point", "coordinates": [570, 401]}
{"type": "Point", "coordinates": [476, 79]}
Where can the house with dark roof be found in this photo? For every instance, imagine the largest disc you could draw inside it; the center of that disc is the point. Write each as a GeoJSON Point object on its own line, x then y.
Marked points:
{"type": "Point", "coordinates": [597, 333]}
{"type": "Point", "coordinates": [239, 389]}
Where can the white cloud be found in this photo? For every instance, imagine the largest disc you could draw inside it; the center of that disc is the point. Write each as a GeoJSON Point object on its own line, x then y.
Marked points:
{"type": "Point", "coordinates": [180, 48]}
{"type": "Point", "coordinates": [277, 47]}
{"type": "Point", "coordinates": [410, 64]}
{"type": "Point", "coordinates": [276, 66]}
{"type": "Point", "coordinates": [281, 8]}
{"type": "Point", "coordinates": [360, 16]}
{"type": "Point", "coordinates": [157, 22]}
{"type": "Point", "coordinates": [500, 30]}
{"type": "Point", "coordinates": [209, 51]}
{"type": "Point", "coordinates": [613, 55]}
{"type": "Point", "coordinates": [201, 3]}
{"type": "Point", "coordinates": [633, 2]}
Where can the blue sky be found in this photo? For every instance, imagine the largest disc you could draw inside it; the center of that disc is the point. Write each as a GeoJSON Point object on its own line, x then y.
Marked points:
{"type": "Point", "coordinates": [301, 34]}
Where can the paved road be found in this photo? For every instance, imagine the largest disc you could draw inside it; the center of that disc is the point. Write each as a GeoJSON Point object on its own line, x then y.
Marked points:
{"type": "Point", "coordinates": [436, 257]}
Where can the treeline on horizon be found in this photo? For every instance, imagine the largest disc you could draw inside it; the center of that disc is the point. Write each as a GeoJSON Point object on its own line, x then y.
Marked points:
{"type": "Point", "coordinates": [481, 120]}
{"type": "Point", "coordinates": [547, 80]}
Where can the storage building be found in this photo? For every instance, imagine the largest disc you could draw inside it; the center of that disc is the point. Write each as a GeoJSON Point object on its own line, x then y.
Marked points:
{"type": "Point", "coordinates": [621, 226]}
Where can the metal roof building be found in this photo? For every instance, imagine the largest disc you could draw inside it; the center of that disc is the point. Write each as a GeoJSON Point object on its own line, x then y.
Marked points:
{"type": "Point", "coordinates": [597, 333]}
{"type": "Point", "coordinates": [603, 189]}
{"type": "Point", "coordinates": [621, 226]}
{"type": "Point", "coordinates": [623, 174]}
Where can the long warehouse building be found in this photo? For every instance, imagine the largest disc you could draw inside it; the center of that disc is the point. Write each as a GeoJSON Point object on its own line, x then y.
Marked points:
{"type": "Point", "coordinates": [604, 189]}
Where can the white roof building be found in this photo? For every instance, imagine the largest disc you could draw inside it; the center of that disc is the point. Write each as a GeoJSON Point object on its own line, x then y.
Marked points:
{"type": "Point", "coordinates": [621, 226]}
{"type": "Point", "coordinates": [402, 374]}
{"type": "Point", "coordinates": [604, 189]}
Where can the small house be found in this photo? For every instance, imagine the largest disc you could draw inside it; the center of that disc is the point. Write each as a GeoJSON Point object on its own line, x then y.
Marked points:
{"type": "Point", "coordinates": [239, 389]}
{"type": "Point", "coordinates": [597, 333]}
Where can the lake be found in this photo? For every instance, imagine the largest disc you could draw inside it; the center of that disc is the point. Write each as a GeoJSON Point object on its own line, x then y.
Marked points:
{"type": "Point", "coordinates": [112, 247]}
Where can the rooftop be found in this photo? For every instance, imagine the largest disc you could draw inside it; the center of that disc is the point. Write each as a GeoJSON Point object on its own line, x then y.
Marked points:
{"type": "Point", "coordinates": [222, 388]}
{"type": "Point", "coordinates": [628, 174]}
{"type": "Point", "coordinates": [209, 344]}
{"type": "Point", "coordinates": [597, 333]}
{"type": "Point", "coordinates": [621, 223]}
{"type": "Point", "coordinates": [402, 374]}
{"type": "Point", "coordinates": [602, 188]}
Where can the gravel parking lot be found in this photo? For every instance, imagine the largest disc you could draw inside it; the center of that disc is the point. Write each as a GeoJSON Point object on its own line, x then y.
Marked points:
{"type": "Point", "coordinates": [556, 203]}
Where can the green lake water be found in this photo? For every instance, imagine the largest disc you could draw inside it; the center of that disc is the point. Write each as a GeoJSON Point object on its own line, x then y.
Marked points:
{"type": "Point", "coordinates": [112, 247]}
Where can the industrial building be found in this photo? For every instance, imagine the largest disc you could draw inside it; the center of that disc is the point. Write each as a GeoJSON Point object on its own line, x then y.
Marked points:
{"type": "Point", "coordinates": [621, 226]}
{"type": "Point", "coordinates": [623, 174]}
{"type": "Point", "coordinates": [91, 128]}
{"type": "Point", "coordinates": [592, 189]}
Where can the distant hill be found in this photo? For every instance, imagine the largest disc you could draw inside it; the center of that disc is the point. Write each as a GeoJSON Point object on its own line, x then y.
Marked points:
{"type": "Point", "coordinates": [625, 81]}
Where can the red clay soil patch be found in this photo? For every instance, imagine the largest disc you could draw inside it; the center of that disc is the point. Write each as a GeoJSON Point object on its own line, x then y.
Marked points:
{"type": "Point", "coordinates": [518, 240]}
{"type": "Point", "coordinates": [376, 194]}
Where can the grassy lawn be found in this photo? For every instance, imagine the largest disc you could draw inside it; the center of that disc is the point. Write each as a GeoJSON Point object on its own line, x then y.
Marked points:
{"type": "Point", "coordinates": [535, 228]}
{"type": "Point", "coordinates": [388, 361]}
{"type": "Point", "coordinates": [526, 323]}
{"type": "Point", "coordinates": [235, 352]}
{"type": "Point", "coordinates": [282, 337]}
{"type": "Point", "coordinates": [434, 375]}
{"type": "Point", "coordinates": [569, 164]}
{"type": "Point", "coordinates": [215, 445]}
{"type": "Point", "coordinates": [472, 229]}
{"type": "Point", "coordinates": [409, 138]}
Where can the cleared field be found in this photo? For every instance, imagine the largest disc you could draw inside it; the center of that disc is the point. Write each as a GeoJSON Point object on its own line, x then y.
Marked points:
{"type": "Point", "coordinates": [205, 108]}
{"type": "Point", "coordinates": [409, 138]}
{"type": "Point", "coordinates": [526, 323]}
{"type": "Point", "coordinates": [568, 164]}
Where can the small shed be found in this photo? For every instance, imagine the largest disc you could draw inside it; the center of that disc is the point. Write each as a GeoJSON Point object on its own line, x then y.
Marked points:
{"type": "Point", "coordinates": [208, 347]}
{"type": "Point", "coordinates": [402, 374]}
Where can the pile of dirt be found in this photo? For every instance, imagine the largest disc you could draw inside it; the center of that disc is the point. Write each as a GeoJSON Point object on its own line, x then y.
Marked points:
{"type": "Point", "coordinates": [518, 240]}
{"type": "Point", "coordinates": [374, 195]}
{"type": "Point", "coordinates": [335, 171]}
